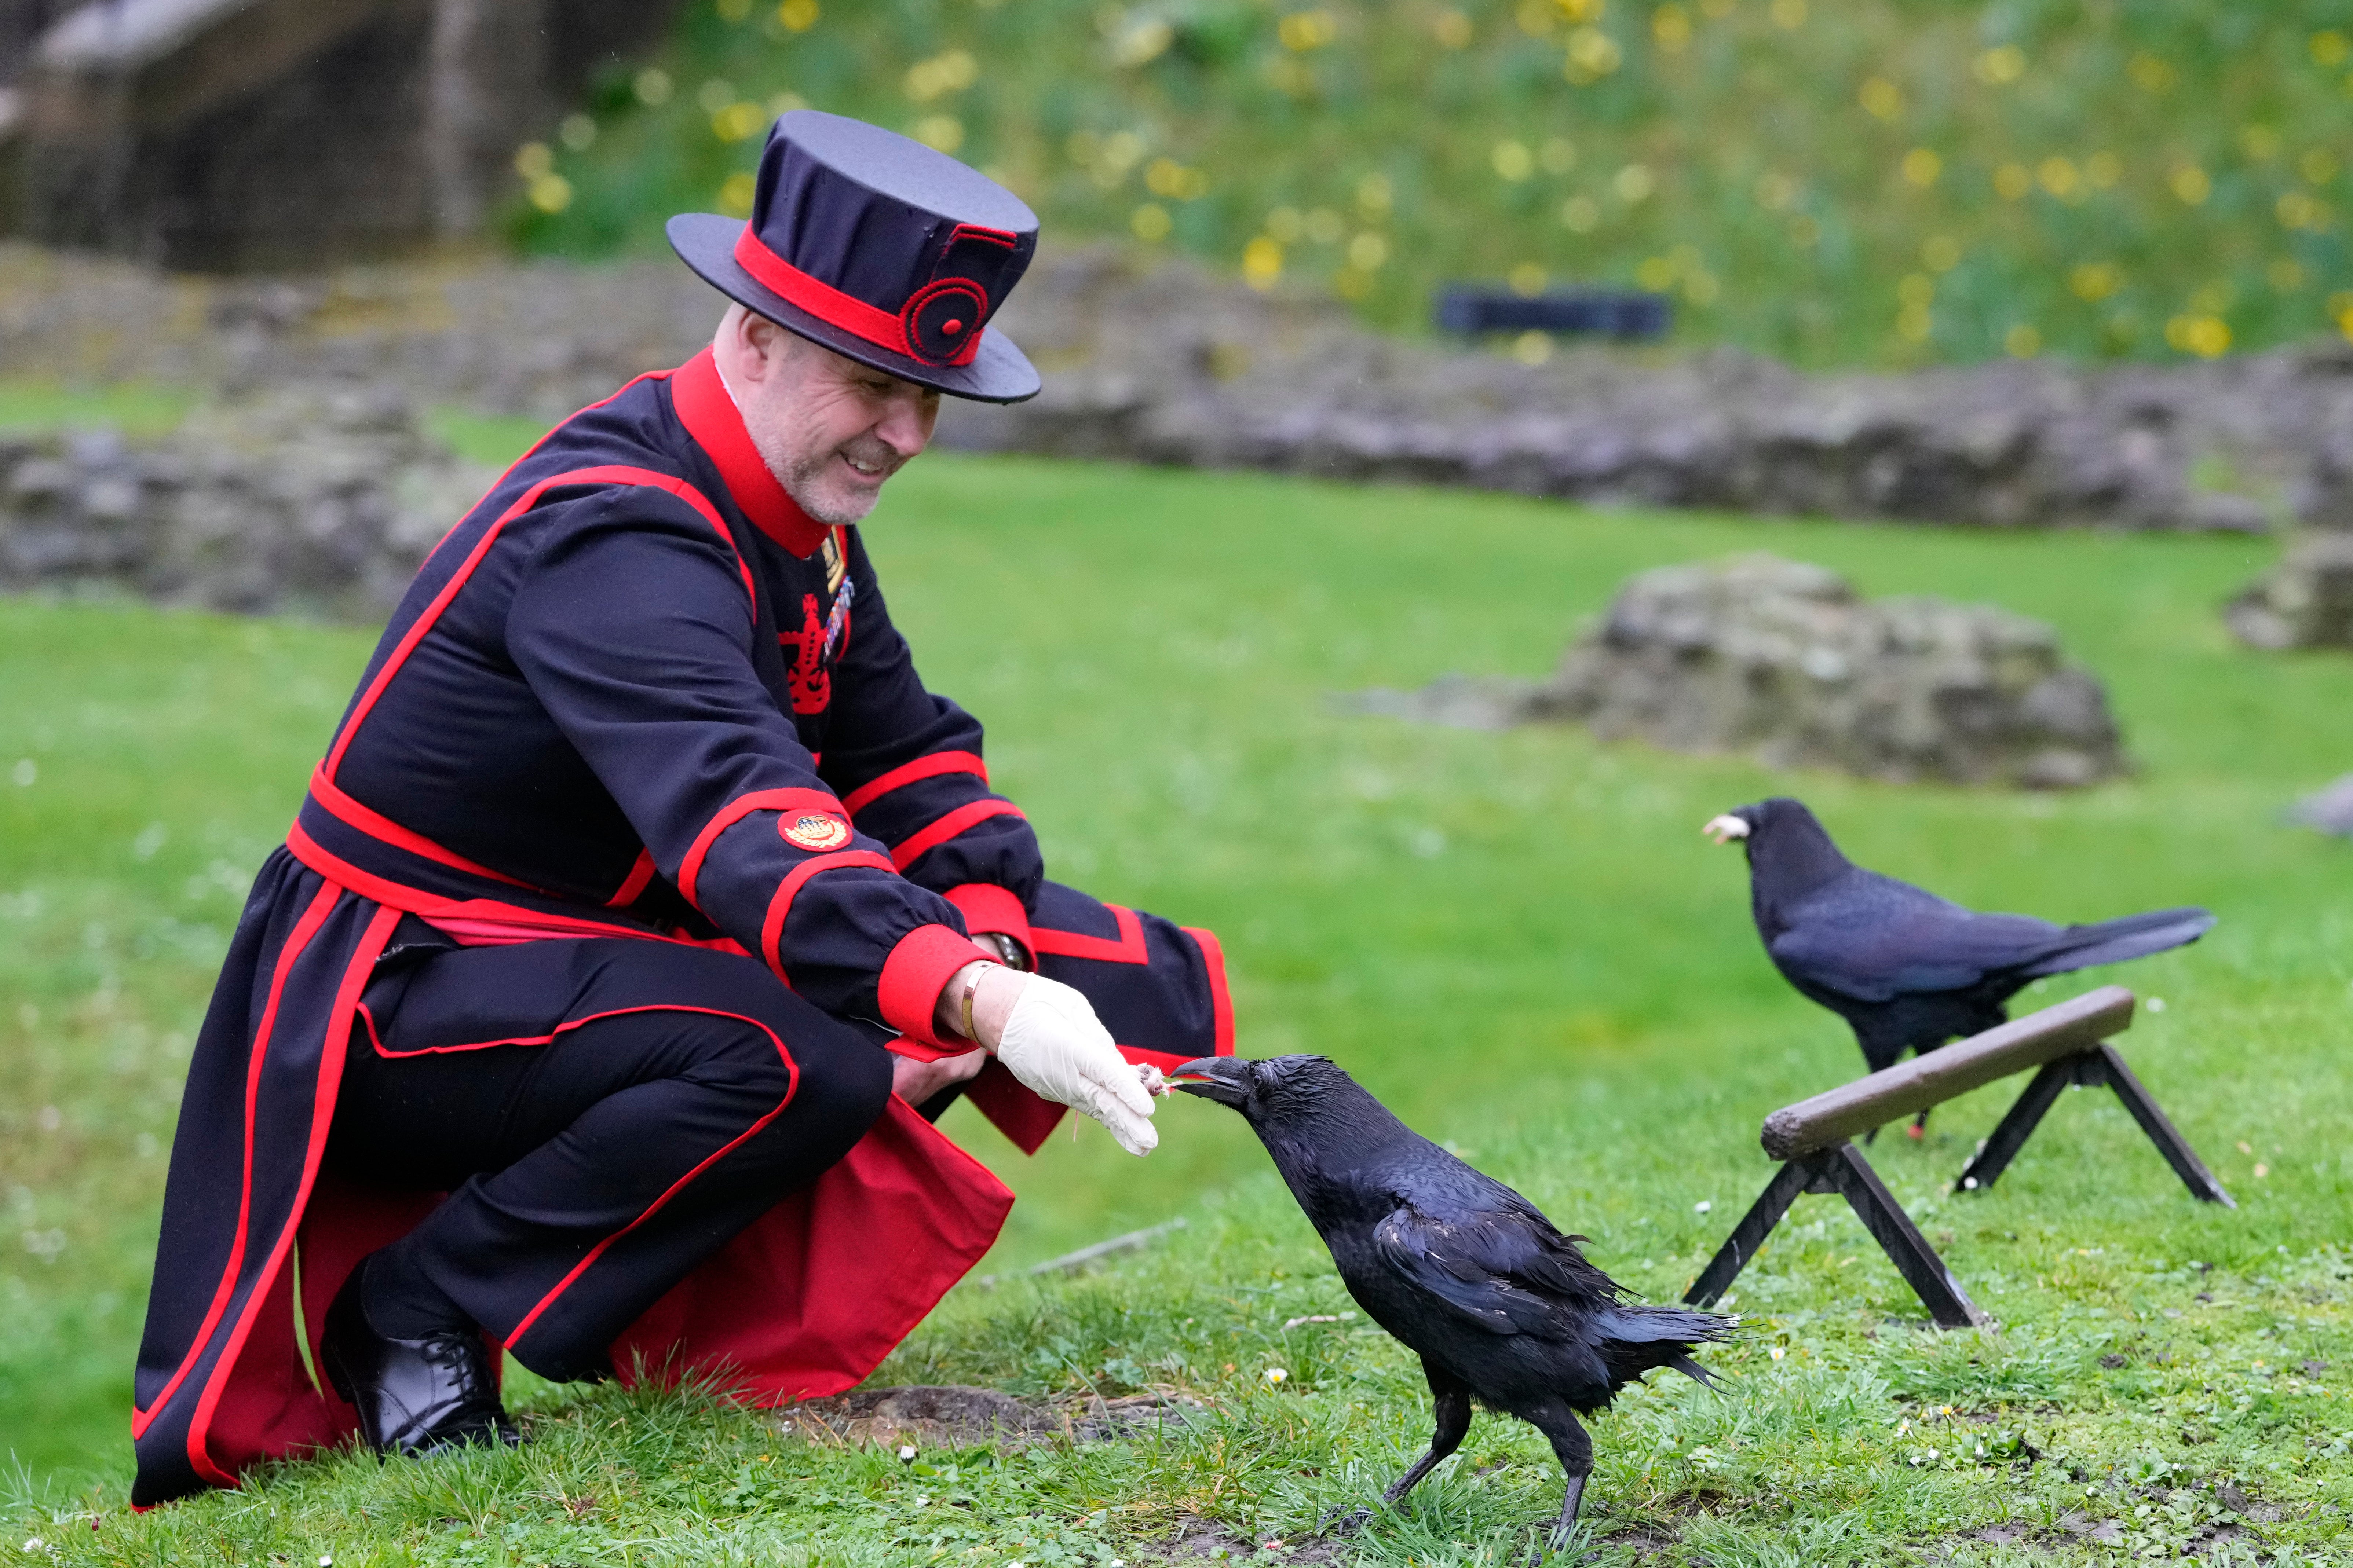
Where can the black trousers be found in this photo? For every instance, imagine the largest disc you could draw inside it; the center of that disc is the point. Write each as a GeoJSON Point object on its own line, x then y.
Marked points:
{"type": "Point", "coordinates": [603, 1114]}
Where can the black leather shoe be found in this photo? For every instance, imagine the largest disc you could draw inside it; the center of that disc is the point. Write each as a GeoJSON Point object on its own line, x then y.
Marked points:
{"type": "Point", "coordinates": [414, 1396]}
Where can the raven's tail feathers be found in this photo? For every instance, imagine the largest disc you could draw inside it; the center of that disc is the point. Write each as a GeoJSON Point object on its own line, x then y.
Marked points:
{"type": "Point", "coordinates": [1693, 1370]}
{"type": "Point", "coordinates": [2112, 941]}
{"type": "Point", "coordinates": [1633, 1339]}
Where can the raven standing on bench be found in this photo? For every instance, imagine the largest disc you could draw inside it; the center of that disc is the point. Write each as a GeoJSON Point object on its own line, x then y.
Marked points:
{"type": "Point", "coordinates": [1905, 967]}
{"type": "Point", "coordinates": [1501, 1306]}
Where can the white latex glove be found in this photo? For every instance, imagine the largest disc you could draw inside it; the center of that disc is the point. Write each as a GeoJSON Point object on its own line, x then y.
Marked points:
{"type": "Point", "coordinates": [1056, 1044]}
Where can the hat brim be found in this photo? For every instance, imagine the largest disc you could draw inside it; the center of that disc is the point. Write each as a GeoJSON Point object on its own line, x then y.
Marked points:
{"type": "Point", "coordinates": [999, 372]}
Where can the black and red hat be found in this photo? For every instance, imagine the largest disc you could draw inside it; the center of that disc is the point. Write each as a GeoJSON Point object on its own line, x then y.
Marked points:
{"type": "Point", "coordinates": [879, 248]}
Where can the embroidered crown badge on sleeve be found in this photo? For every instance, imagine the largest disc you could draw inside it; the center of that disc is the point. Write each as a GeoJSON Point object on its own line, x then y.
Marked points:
{"type": "Point", "coordinates": [814, 831]}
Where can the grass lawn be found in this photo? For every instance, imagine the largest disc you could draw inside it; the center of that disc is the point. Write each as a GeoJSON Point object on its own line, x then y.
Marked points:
{"type": "Point", "coordinates": [1520, 940]}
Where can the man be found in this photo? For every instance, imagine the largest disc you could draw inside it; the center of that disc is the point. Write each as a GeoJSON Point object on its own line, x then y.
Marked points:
{"type": "Point", "coordinates": [643, 893]}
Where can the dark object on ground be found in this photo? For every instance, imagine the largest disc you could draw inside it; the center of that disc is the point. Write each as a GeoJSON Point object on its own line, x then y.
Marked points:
{"type": "Point", "coordinates": [1501, 1306]}
{"type": "Point", "coordinates": [1906, 969]}
{"type": "Point", "coordinates": [2068, 1042]}
{"type": "Point", "coordinates": [1474, 312]}
{"type": "Point", "coordinates": [420, 1397]}
{"type": "Point", "coordinates": [2329, 810]}
{"type": "Point", "coordinates": [2306, 601]}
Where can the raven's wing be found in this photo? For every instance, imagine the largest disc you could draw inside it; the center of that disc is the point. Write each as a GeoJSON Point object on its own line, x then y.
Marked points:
{"type": "Point", "coordinates": [1505, 1270]}
{"type": "Point", "coordinates": [1873, 938]}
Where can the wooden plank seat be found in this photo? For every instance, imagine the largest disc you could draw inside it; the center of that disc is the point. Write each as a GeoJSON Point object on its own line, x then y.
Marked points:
{"type": "Point", "coordinates": [2068, 1043]}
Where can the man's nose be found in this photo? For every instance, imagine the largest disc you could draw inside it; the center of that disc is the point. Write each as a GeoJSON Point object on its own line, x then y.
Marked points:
{"type": "Point", "coordinates": [906, 424]}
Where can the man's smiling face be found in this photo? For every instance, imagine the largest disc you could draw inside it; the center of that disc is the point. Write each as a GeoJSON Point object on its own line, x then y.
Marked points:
{"type": "Point", "coordinates": [831, 429]}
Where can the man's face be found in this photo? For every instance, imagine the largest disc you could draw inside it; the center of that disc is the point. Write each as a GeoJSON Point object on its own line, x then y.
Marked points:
{"type": "Point", "coordinates": [831, 429]}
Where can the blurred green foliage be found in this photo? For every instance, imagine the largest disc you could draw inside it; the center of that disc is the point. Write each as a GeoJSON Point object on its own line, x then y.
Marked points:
{"type": "Point", "coordinates": [1876, 180]}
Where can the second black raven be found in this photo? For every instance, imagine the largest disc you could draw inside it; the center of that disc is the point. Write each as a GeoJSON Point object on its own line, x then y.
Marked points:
{"type": "Point", "coordinates": [1502, 1307]}
{"type": "Point", "coordinates": [1907, 969]}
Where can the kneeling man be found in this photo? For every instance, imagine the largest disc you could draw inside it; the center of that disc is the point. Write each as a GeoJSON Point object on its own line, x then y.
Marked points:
{"type": "Point", "coordinates": [646, 904]}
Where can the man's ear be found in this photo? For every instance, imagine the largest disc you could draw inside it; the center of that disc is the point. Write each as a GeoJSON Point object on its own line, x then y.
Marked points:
{"type": "Point", "coordinates": [770, 346]}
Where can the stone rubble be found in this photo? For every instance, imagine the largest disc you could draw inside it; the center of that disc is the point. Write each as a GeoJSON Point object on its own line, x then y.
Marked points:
{"type": "Point", "coordinates": [1787, 662]}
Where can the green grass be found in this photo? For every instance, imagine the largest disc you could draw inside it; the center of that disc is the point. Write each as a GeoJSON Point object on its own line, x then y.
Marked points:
{"type": "Point", "coordinates": [1864, 180]}
{"type": "Point", "coordinates": [1520, 940]}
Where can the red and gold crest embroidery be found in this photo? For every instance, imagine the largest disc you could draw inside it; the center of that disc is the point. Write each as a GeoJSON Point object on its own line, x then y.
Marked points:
{"type": "Point", "coordinates": [814, 831]}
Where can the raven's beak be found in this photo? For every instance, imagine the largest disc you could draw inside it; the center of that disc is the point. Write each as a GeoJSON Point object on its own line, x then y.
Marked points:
{"type": "Point", "coordinates": [1725, 829]}
{"type": "Point", "coordinates": [1225, 1080]}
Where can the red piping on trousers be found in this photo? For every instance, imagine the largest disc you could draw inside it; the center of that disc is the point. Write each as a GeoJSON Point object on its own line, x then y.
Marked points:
{"type": "Point", "coordinates": [689, 870]}
{"type": "Point", "coordinates": [1128, 949]}
{"type": "Point", "coordinates": [305, 928]}
{"type": "Point", "coordinates": [1222, 1001]}
{"type": "Point", "coordinates": [792, 1086]}
{"type": "Point", "coordinates": [914, 848]}
{"type": "Point", "coordinates": [323, 1111]}
{"type": "Point", "coordinates": [642, 874]}
{"type": "Point", "coordinates": [905, 773]}
{"type": "Point", "coordinates": [772, 930]}
{"type": "Point", "coordinates": [607, 474]}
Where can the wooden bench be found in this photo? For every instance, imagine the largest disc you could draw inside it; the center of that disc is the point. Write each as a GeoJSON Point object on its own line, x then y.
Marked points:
{"type": "Point", "coordinates": [1813, 1139]}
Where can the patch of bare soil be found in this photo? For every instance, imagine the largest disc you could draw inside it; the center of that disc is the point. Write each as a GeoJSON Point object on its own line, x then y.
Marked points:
{"type": "Point", "coordinates": [950, 1415]}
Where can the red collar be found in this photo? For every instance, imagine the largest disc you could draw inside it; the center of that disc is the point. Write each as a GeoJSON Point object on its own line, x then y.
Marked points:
{"type": "Point", "coordinates": [712, 418]}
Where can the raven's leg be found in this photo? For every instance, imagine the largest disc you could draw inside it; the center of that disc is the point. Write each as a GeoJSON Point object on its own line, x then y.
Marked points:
{"type": "Point", "coordinates": [1574, 1448]}
{"type": "Point", "coordinates": [1452, 1398]}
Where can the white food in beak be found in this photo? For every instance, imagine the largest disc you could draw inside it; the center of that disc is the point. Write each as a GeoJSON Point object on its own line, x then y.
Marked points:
{"type": "Point", "coordinates": [1725, 829]}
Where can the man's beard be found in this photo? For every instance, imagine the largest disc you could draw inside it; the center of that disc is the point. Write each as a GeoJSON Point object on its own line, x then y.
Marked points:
{"type": "Point", "coordinates": [802, 474]}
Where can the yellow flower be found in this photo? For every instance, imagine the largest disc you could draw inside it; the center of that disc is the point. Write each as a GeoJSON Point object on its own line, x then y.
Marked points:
{"type": "Point", "coordinates": [2208, 337]}
{"type": "Point", "coordinates": [736, 196]}
{"type": "Point", "coordinates": [1142, 41]}
{"type": "Point", "coordinates": [2021, 342]}
{"type": "Point", "coordinates": [1922, 166]}
{"type": "Point", "coordinates": [797, 15]}
{"type": "Point", "coordinates": [1531, 348]}
{"type": "Point", "coordinates": [1657, 273]}
{"type": "Point", "coordinates": [2096, 281]}
{"type": "Point", "coordinates": [2318, 166]}
{"type": "Point", "coordinates": [1285, 226]}
{"type": "Point", "coordinates": [2330, 47]}
{"type": "Point", "coordinates": [1671, 27]}
{"type": "Point", "coordinates": [2298, 210]}
{"type": "Point", "coordinates": [2011, 181]}
{"type": "Point", "coordinates": [1303, 30]}
{"type": "Point", "coordinates": [1880, 97]}
{"type": "Point", "coordinates": [1261, 263]}
{"type": "Point", "coordinates": [738, 121]}
{"type": "Point", "coordinates": [2151, 74]}
{"type": "Point", "coordinates": [1592, 54]}
{"type": "Point", "coordinates": [532, 159]}
{"type": "Point", "coordinates": [944, 73]}
{"type": "Point", "coordinates": [2059, 176]}
{"type": "Point", "coordinates": [552, 192]}
{"type": "Point", "coordinates": [2192, 184]}
{"type": "Point", "coordinates": [1940, 253]}
{"type": "Point", "coordinates": [1582, 10]}
{"type": "Point", "coordinates": [1527, 279]}
{"type": "Point", "coordinates": [1452, 29]}
{"type": "Point", "coordinates": [1634, 183]}
{"type": "Point", "coordinates": [1150, 222]}
{"type": "Point", "coordinates": [1512, 161]}
{"type": "Point", "coordinates": [1368, 251]}
{"type": "Point", "coordinates": [944, 132]}
{"type": "Point", "coordinates": [2001, 66]}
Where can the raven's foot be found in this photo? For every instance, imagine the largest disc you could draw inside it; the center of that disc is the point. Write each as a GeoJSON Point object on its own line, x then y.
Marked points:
{"type": "Point", "coordinates": [1343, 1521]}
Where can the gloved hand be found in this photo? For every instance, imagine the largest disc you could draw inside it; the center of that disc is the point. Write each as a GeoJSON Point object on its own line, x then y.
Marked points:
{"type": "Point", "coordinates": [1054, 1043]}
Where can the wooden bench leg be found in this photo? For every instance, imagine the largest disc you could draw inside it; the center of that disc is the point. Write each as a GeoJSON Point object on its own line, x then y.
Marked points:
{"type": "Point", "coordinates": [1900, 1240]}
{"type": "Point", "coordinates": [2160, 1130]}
{"type": "Point", "coordinates": [1790, 1180]}
{"type": "Point", "coordinates": [2017, 1126]}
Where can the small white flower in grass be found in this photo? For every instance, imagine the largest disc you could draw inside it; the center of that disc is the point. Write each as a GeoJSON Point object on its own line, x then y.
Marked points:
{"type": "Point", "coordinates": [2156, 1003]}
{"type": "Point", "coordinates": [33, 1543]}
{"type": "Point", "coordinates": [1778, 1353]}
{"type": "Point", "coordinates": [1703, 1205]}
{"type": "Point", "coordinates": [906, 1452]}
{"type": "Point", "coordinates": [1275, 1374]}
{"type": "Point", "coordinates": [326, 1560]}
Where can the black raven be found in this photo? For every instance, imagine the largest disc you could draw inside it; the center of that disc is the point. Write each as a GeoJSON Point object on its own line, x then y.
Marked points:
{"type": "Point", "coordinates": [1905, 967]}
{"type": "Point", "coordinates": [1501, 1306]}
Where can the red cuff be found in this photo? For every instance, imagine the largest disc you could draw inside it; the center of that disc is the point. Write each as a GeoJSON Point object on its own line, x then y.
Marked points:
{"type": "Point", "coordinates": [918, 969]}
{"type": "Point", "coordinates": [987, 907]}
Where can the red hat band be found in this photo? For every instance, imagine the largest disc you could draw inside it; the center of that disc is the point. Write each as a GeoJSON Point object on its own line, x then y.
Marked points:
{"type": "Point", "coordinates": [940, 324]}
